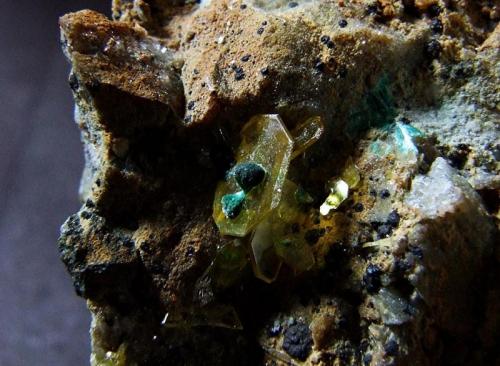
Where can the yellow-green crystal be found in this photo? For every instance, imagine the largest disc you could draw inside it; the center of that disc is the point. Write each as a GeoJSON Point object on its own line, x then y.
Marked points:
{"type": "Point", "coordinates": [350, 174]}
{"type": "Point", "coordinates": [306, 134]}
{"type": "Point", "coordinates": [266, 142]}
{"type": "Point", "coordinates": [289, 241]}
{"type": "Point", "coordinates": [339, 191]}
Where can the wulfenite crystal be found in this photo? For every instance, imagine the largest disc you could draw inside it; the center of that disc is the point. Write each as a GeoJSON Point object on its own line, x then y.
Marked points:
{"type": "Point", "coordinates": [266, 146]}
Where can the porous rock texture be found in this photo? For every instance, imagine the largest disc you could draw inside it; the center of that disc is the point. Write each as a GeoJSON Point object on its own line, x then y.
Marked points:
{"type": "Point", "coordinates": [406, 268]}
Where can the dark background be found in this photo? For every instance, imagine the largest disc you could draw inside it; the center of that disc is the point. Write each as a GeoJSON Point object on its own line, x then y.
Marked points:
{"type": "Point", "coordinates": [42, 321]}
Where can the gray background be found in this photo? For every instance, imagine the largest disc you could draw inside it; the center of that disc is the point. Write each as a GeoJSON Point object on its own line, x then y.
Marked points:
{"type": "Point", "coordinates": [42, 321]}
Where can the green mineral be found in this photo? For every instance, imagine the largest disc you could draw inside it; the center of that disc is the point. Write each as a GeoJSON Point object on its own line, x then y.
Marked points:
{"type": "Point", "coordinates": [248, 175]}
{"type": "Point", "coordinates": [232, 204]}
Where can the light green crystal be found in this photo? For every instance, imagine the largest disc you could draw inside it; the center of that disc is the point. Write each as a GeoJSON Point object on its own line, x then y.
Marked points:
{"type": "Point", "coordinates": [339, 190]}
{"type": "Point", "coordinates": [265, 141]}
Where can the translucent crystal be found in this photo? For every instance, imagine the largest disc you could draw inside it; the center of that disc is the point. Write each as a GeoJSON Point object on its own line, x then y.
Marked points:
{"type": "Point", "coordinates": [228, 264]}
{"type": "Point", "coordinates": [339, 191]}
{"type": "Point", "coordinates": [288, 239]}
{"type": "Point", "coordinates": [350, 174]}
{"type": "Point", "coordinates": [393, 309]}
{"type": "Point", "coordinates": [266, 263]}
{"type": "Point", "coordinates": [306, 134]}
{"type": "Point", "coordinates": [266, 142]}
{"type": "Point", "coordinates": [279, 239]}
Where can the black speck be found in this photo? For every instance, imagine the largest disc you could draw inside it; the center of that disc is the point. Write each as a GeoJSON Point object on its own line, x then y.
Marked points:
{"type": "Point", "coordinates": [239, 73]}
{"type": "Point", "coordinates": [325, 39]}
{"type": "Point", "coordinates": [196, 71]}
{"type": "Point", "coordinates": [436, 25]}
{"type": "Point", "coordinates": [342, 322]}
{"type": "Point", "coordinates": [371, 9]}
{"type": "Point", "coordinates": [89, 203]}
{"type": "Point", "coordinates": [384, 231]}
{"type": "Point", "coordinates": [264, 22]}
{"type": "Point", "coordinates": [405, 120]}
{"type": "Point", "coordinates": [391, 348]}
{"type": "Point", "coordinates": [393, 219]}
{"type": "Point", "coordinates": [86, 215]}
{"type": "Point", "coordinates": [358, 207]}
{"type": "Point", "coordinates": [371, 278]}
{"type": "Point", "coordinates": [243, 6]}
{"type": "Point", "coordinates": [293, 4]}
{"type": "Point", "coordinates": [434, 10]}
{"type": "Point", "coordinates": [187, 119]}
{"type": "Point", "coordinates": [297, 341]}
{"type": "Point", "coordinates": [319, 65]}
{"type": "Point", "coordinates": [98, 182]}
{"type": "Point", "coordinates": [373, 193]}
{"type": "Point", "coordinates": [190, 252]}
{"type": "Point", "coordinates": [342, 23]}
{"type": "Point", "coordinates": [245, 58]}
{"type": "Point", "coordinates": [190, 105]}
{"type": "Point", "coordinates": [433, 49]}
{"type": "Point", "coordinates": [417, 251]}
{"type": "Point", "coordinates": [264, 71]}
{"type": "Point", "coordinates": [260, 30]}
{"type": "Point", "coordinates": [384, 193]}
{"type": "Point", "coordinates": [128, 243]}
{"type": "Point", "coordinates": [330, 44]}
{"type": "Point", "coordinates": [73, 82]}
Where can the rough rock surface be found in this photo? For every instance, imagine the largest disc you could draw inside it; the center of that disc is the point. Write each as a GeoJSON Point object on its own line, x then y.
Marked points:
{"type": "Point", "coordinates": [406, 267]}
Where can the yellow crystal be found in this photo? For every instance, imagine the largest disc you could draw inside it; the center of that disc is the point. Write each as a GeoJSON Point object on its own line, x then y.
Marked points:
{"type": "Point", "coordinates": [266, 142]}
{"type": "Point", "coordinates": [306, 134]}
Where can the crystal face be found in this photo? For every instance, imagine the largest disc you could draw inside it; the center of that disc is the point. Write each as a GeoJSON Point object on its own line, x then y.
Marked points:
{"type": "Point", "coordinates": [306, 134]}
{"type": "Point", "coordinates": [266, 143]}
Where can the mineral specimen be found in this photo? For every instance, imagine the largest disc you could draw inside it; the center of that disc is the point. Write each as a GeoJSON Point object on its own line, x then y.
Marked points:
{"type": "Point", "coordinates": [266, 144]}
{"type": "Point", "coordinates": [287, 183]}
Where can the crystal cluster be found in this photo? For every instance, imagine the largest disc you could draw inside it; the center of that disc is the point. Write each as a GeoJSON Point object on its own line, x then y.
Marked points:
{"type": "Point", "coordinates": [257, 199]}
